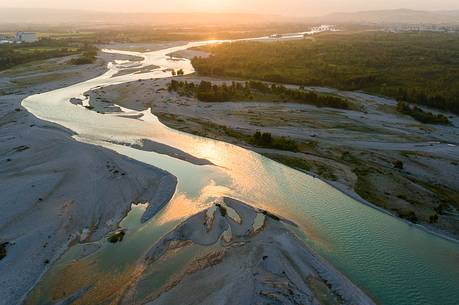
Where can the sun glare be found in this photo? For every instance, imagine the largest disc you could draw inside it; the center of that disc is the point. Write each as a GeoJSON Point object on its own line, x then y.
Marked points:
{"type": "Point", "coordinates": [214, 5]}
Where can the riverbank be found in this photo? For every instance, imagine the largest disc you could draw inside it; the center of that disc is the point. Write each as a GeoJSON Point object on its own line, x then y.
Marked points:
{"type": "Point", "coordinates": [375, 155]}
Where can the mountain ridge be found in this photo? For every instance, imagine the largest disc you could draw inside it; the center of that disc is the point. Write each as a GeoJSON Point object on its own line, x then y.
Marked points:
{"type": "Point", "coordinates": [394, 16]}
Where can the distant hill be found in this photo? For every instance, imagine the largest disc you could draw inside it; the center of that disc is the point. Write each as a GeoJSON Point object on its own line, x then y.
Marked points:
{"type": "Point", "coordinates": [55, 16]}
{"type": "Point", "coordinates": [42, 16]}
{"type": "Point", "coordinates": [454, 14]}
{"type": "Point", "coordinates": [405, 16]}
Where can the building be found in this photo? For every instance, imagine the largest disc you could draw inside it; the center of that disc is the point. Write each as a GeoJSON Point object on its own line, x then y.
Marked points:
{"type": "Point", "coordinates": [26, 37]}
{"type": "Point", "coordinates": [320, 29]}
{"type": "Point", "coordinates": [324, 28]}
{"type": "Point", "coordinates": [5, 39]}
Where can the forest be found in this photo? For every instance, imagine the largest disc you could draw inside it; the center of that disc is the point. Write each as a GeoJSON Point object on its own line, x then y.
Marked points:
{"type": "Point", "coordinates": [420, 68]}
{"type": "Point", "coordinates": [255, 90]}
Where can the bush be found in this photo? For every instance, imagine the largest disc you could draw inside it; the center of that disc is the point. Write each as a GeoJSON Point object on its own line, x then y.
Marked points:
{"type": "Point", "coordinates": [266, 140]}
{"type": "Point", "coordinates": [420, 115]}
{"type": "Point", "coordinates": [408, 215]}
{"type": "Point", "coordinates": [88, 57]}
{"type": "Point", "coordinates": [433, 219]}
{"type": "Point", "coordinates": [398, 164]}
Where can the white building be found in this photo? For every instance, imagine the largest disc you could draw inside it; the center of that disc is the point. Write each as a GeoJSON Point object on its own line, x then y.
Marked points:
{"type": "Point", "coordinates": [324, 28]}
{"type": "Point", "coordinates": [26, 37]}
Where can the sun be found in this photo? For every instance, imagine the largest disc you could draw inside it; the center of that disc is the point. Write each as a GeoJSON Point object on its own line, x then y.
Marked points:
{"type": "Point", "coordinates": [214, 5]}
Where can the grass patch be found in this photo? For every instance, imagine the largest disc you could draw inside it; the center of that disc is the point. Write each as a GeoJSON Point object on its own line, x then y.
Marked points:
{"type": "Point", "coordinates": [446, 196]}
{"type": "Point", "coordinates": [297, 163]}
{"type": "Point", "coordinates": [365, 189]}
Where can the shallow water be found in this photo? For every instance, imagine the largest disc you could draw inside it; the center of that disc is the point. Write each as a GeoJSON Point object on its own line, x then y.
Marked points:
{"type": "Point", "coordinates": [396, 263]}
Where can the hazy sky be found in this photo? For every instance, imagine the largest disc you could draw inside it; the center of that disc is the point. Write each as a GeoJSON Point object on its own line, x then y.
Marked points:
{"type": "Point", "coordinates": [296, 7]}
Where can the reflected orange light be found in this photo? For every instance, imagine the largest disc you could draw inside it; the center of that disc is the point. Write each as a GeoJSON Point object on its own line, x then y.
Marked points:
{"type": "Point", "coordinates": [181, 207]}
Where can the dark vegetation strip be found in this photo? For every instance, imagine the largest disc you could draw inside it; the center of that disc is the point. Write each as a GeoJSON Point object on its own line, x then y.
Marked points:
{"type": "Point", "coordinates": [422, 116]}
{"type": "Point", "coordinates": [255, 90]}
{"type": "Point", "coordinates": [420, 68]}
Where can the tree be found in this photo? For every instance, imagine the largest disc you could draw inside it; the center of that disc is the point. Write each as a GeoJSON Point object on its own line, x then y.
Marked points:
{"type": "Point", "coordinates": [398, 164]}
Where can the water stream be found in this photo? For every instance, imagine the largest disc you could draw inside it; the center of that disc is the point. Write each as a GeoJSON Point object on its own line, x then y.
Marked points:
{"type": "Point", "coordinates": [394, 262]}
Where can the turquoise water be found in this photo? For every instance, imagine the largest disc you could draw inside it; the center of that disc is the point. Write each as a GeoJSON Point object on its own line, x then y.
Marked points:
{"type": "Point", "coordinates": [394, 262]}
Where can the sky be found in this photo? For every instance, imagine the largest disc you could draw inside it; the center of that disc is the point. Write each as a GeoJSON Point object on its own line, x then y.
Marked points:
{"type": "Point", "coordinates": [283, 7]}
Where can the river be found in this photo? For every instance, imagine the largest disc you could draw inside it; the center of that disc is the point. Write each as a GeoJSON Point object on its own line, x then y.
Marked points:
{"type": "Point", "coordinates": [394, 262]}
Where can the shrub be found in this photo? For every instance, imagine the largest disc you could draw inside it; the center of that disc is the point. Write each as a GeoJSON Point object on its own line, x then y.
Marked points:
{"type": "Point", "coordinates": [408, 215]}
{"type": "Point", "coordinates": [266, 140]}
{"type": "Point", "coordinates": [433, 219]}
{"type": "Point", "coordinates": [3, 250]}
{"type": "Point", "coordinates": [398, 164]}
{"type": "Point", "coordinates": [84, 59]}
{"type": "Point", "coordinates": [420, 115]}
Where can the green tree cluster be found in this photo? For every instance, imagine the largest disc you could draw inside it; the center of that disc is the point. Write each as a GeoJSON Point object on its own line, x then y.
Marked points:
{"type": "Point", "coordinates": [422, 116]}
{"type": "Point", "coordinates": [420, 68]}
{"type": "Point", "coordinates": [207, 92]}
{"type": "Point", "coordinates": [266, 140]}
